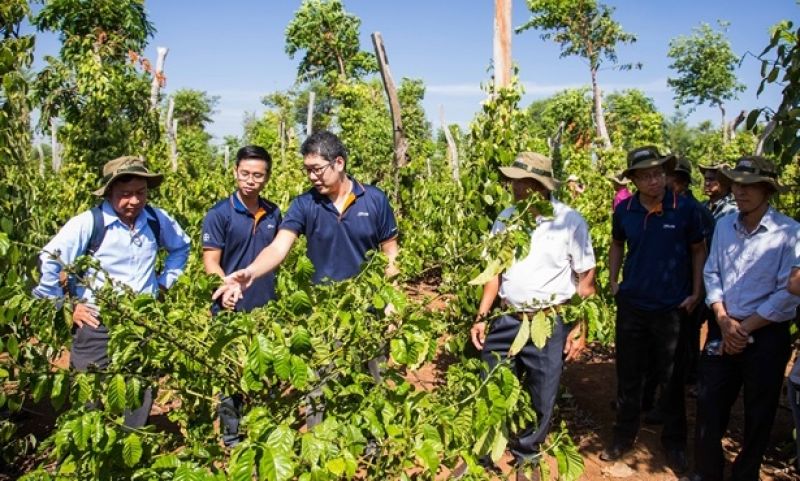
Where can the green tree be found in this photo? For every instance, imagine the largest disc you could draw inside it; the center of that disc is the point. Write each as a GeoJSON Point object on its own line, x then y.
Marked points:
{"type": "Point", "coordinates": [193, 108]}
{"type": "Point", "coordinates": [328, 37]}
{"type": "Point", "coordinates": [782, 133]}
{"type": "Point", "coordinates": [633, 119]}
{"type": "Point", "coordinates": [416, 127]}
{"type": "Point", "coordinates": [570, 108]}
{"type": "Point", "coordinates": [705, 66]}
{"type": "Point", "coordinates": [95, 86]}
{"type": "Point", "coordinates": [16, 54]}
{"type": "Point", "coordinates": [583, 28]}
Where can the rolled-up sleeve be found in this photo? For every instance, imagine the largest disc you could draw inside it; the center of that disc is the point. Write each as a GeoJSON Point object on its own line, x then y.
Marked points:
{"type": "Point", "coordinates": [176, 242]}
{"type": "Point", "coordinates": [581, 251]}
{"type": "Point", "coordinates": [781, 305]}
{"type": "Point", "coordinates": [70, 242]}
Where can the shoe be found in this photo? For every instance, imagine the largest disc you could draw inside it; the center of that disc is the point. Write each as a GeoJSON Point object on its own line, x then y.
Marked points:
{"type": "Point", "coordinates": [677, 460]}
{"type": "Point", "coordinates": [615, 451]}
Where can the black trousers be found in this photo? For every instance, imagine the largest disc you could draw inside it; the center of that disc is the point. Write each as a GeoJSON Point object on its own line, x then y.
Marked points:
{"type": "Point", "coordinates": [655, 340]}
{"type": "Point", "coordinates": [540, 372]}
{"type": "Point", "coordinates": [90, 348]}
{"type": "Point", "coordinates": [760, 370]}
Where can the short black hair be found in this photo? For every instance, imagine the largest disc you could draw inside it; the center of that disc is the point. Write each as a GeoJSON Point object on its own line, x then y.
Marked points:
{"type": "Point", "coordinates": [254, 152]}
{"type": "Point", "coordinates": [325, 144]}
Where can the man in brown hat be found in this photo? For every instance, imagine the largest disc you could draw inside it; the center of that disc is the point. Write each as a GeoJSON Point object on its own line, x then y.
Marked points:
{"type": "Point", "coordinates": [718, 189]}
{"type": "Point", "coordinates": [662, 278]}
{"type": "Point", "coordinates": [124, 235]}
{"type": "Point", "coordinates": [559, 264]}
{"type": "Point", "coordinates": [746, 277]}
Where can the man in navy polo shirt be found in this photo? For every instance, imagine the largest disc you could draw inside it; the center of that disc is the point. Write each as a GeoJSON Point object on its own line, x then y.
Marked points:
{"type": "Point", "coordinates": [341, 218]}
{"type": "Point", "coordinates": [662, 281]}
{"type": "Point", "coordinates": [235, 231]}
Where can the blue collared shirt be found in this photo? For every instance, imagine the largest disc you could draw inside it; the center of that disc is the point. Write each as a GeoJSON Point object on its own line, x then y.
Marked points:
{"type": "Point", "coordinates": [657, 269]}
{"type": "Point", "coordinates": [337, 244]}
{"type": "Point", "coordinates": [748, 272]}
{"type": "Point", "coordinates": [230, 227]}
{"type": "Point", "coordinates": [127, 255]}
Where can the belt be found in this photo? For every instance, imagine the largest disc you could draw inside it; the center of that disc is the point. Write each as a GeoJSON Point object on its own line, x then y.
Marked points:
{"type": "Point", "coordinates": [553, 309]}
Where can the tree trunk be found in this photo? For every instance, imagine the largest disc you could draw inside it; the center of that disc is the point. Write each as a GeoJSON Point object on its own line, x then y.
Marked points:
{"type": "Point", "coordinates": [40, 151]}
{"type": "Point", "coordinates": [452, 149]}
{"type": "Point", "coordinates": [762, 139]}
{"type": "Point", "coordinates": [310, 114]}
{"type": "Point", "coordinates": [599, 116]}
{"type": "Point", "coordinates": [502, 44]}
{"type": "Point", "coordinates": [56, 149]}
{"type": "Point", "coordinates": [724, 132]}
{"type": "Point", "coordinates": [730, 128]}
{"type": "Point", "coordinates": [158, 76]}
{"type": "Point", "coordinates": [227, 156]}
{"type": "Point", "coordinates": [400, 142]}
{"type": "Point", "coordinates": [171, 126]}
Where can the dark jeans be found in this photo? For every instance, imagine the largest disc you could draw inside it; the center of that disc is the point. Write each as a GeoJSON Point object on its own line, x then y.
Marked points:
{"type": "Point", "coordinates": [229, 411]}
{"type": "Point", "coordinates": [540, 372]}
{"type": "Point", "coordinates": [645, 338]}
{"type": "Point", "coordinates": [794, 402]}
{"type": "Point", "coordinates": [90, 348]}
{"type": "Point", "coordinates": [760, 369]}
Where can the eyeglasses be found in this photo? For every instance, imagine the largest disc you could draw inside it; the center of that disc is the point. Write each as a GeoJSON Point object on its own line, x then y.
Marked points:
{"type": "Point", "coordinates": [318, 171]}
{"type": "Point", "coordinates": [257, 176]}
{"type": "Point", "coordinates": [650, 177]}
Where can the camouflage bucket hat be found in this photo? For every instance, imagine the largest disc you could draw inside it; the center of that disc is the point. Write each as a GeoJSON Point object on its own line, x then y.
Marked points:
{"type": "Point", "coordinates": [646, 157]}
{"type": "Point", "coordinates": [127, 165]}
{"type": "Point", "coordinates": [752, 169]}
{"type": "Point", "coordinates": [533, 166]}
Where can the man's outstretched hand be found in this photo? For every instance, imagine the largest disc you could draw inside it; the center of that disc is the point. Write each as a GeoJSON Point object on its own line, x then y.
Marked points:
{"type": "Point", "coordinates": [233, 288]}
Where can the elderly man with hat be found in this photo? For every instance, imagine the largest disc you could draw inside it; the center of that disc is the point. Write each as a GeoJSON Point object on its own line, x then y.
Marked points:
{"type": "Point", "coordinates": [661, 284]}
{"type": "Point", "coordinates": [124, 235]}
{"type": "Point", "coordinates": [746, 277]}
{"type": "Point", "coordinates": [718, 189]}
{"type": "Point", "coordinates": [559, 264]}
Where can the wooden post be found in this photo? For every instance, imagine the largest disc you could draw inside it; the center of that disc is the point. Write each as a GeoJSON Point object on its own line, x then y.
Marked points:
{"type": "Point", "coordinates": [40, 151]}
{"type": "Point", "coordinates": [502, 44]}
{"type": "Point", "coordinates": [452, 149]}
{"type": "Point", "coordinates": [400, 142]}
{"type": "Point", "coordinates": [171, 126]}
{"type": "Point", "coordinates": [282, 136]}
{"type": "Point", "coordinates": [56, 154]}
{"type": "Point", "coordinates": [310, 115]}
{"type": "Point", "coordinates": [158, 75]}
{"type": "Point", "coordinates": [227, 156]}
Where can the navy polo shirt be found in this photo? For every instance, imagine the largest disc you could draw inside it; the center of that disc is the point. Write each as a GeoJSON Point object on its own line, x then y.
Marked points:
{"type": "Point", "coordinates": [337, 244]}
{"type": "Point", "coordinates": [241, 236]}
{"type": "Point", "coordinates": [657, 273]}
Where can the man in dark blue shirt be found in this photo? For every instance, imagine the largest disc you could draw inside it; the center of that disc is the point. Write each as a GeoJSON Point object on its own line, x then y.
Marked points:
{"type": "Point", "coordinates": [235, 231]}
{"type": "Point", "coordinates": [662, 279]}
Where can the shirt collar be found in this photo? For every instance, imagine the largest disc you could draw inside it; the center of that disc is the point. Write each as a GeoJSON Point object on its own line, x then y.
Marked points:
{"type": "Point", "coordinates": [357, 189]}
{"type": "Point", "coordinates": [242, 209]}
{"type": "Point", "coordinates": [110, 215]}
{"type": "Point", "coordinates": [670, 201]}
{"type": "Point", "coordinates": [767, 223]}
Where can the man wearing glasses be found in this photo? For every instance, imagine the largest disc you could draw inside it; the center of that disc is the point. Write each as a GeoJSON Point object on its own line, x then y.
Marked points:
{"type": "Point", "coordinates": [342, 220]}
{"type": "Point", "coordinates": [235, 231]}
{"type": "Point", "coordinates": [662, 282]}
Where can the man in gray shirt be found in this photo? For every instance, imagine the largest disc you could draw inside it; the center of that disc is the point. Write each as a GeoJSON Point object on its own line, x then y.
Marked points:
{"type": "Point", "coordinates": [746, 278]}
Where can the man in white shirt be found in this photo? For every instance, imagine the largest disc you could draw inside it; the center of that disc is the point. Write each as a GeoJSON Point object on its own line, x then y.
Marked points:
{"type": "Point", "coordinates": [559, 264]}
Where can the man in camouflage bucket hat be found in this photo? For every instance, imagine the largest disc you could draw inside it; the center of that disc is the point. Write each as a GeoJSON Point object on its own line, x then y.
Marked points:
{"type": "Point", "coordinates": [746, 277]}
{"type": "Point", "coordinates": [124, 235]}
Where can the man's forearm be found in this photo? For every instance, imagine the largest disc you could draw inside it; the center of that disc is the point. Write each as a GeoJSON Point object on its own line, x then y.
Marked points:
{"type": "Point", "coordinates": [615, 252]}
{"type": "Point", "coordinates": [490, 290]}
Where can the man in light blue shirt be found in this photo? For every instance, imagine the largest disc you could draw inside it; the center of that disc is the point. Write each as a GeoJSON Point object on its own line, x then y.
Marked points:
{"type": "Point", "coordinates": [746, 278]}
{"type": "Point", "coordinates": [124, 235]}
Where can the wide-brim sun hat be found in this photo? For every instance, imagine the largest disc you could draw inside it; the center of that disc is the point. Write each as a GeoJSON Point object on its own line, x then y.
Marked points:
{"type": "Point", "coordinates": [127, 165]}
{"type": "Point", "coordinates": [618, 179]}
{"type": "Point", "coordinates": [713, 167]}
{"type": "Point", "coordinates": [532, 165]}
{"type": "Point", "coordinates": [683, 166]}
{"type": "Point", "coordinates": [753, 169]}
{"type": "Point", "coordinates": [646, 157]}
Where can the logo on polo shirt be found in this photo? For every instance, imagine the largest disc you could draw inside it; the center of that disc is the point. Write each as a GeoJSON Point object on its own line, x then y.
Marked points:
{"type": "Point", "coordinates": [363, 214]}
{"type": "Point", "coordinates": [206, 237]}
{"type": "Point", "coordinates": [669, 226]}
{"type": "Point", "coordinates": [270, 226]}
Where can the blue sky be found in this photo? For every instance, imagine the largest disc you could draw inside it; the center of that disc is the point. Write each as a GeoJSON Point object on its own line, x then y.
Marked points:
{"type": "Point", "coordinates": [235, 49]}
